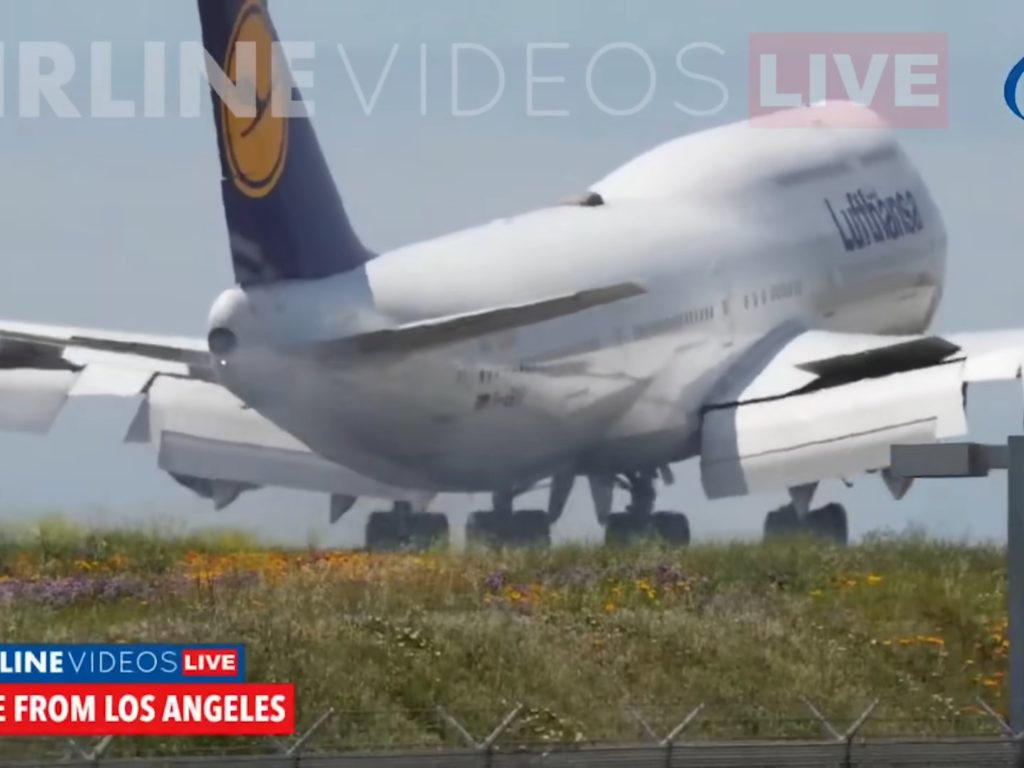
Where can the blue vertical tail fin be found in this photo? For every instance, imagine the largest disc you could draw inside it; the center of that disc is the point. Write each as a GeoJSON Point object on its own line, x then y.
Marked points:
{"type": "Point", "coordinates": [285, 218]}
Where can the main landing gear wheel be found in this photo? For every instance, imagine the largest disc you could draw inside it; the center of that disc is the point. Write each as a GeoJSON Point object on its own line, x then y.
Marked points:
{"type": "Point", "coordinates": [525, 528]}
{"type": "Point", "coordinates": [640, 522]}
{"type": "Point", "coordinates": [828, 523]}
{"type": "Point", "coordinates": [672, 528]}
{"type": "Point", "coordinates": [402, 530]}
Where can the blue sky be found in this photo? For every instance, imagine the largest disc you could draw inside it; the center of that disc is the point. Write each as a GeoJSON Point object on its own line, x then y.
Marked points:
{"type": "Point", "coordinates": [118, 223]}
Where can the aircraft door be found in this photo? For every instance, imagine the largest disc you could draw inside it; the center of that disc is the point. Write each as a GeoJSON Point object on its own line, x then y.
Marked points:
{"type": "Point", "coordinates": [726, 307]}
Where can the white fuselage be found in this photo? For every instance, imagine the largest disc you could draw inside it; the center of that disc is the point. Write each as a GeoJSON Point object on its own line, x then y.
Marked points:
{"type": "Point", "coordinates": [734, 232]}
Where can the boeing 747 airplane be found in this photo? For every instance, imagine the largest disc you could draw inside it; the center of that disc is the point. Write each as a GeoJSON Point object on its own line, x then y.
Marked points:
{"type": "Point", "coordinates": [752, 297]}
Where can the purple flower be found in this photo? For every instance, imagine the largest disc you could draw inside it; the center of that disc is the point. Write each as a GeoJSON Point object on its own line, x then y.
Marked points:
{"type": "Point", "coordinates": [495, 581]}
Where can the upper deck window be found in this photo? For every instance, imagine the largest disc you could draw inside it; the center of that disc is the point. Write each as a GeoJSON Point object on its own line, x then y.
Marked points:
{"type": "Point", "coordinates": [813, 173]}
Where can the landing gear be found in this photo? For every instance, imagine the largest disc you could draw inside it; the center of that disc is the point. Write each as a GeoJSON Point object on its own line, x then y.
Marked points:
{"type": "Point", "coordinates": [640, 521]}
{"type": "Point", "coordinates": [828, 523]}
{"type": "Point", "coordinates": [402, 530]}
{"type": "Point", "coordinates": [504, 527]}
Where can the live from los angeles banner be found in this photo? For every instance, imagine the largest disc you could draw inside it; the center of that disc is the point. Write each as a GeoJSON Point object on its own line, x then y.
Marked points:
{"type": "Point", "coordinates": [138, 690]}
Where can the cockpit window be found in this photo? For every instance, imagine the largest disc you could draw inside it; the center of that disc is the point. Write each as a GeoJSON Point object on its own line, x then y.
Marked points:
{"type": "Point", "coordinates": [589, 200]}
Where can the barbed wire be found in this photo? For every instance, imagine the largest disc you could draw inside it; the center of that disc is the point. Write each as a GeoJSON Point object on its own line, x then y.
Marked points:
{"type": "Point", "coordinates": [525, 729]}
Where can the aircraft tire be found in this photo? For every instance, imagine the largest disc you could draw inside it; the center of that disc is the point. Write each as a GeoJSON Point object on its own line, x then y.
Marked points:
{"type": "Point", "coordinates": [526, 528]}
{"type": "Point", "coordinates": [482, 529]}
{"type": "Point", "coordinates": [672, 528]}
{"type": "Point", "coordinates": [383, 532]}
{"type": "Point", "coordinates": [388, 532]}
{"type": "Point", "coordinates": [830, 523]}
{"type": "Point", "coordinates": [624, 529]}
{"type": "Point", "coordinates": [781, 523]}
{"type": "Point", "coordinates": [430, 530]}
{"type": "Point", "coordinates": [531, 528]}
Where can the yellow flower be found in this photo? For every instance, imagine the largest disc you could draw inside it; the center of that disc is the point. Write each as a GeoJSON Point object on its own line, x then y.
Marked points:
{"type": "Point", "coordinates": [609, 607]}
{"type": "Point", "coordinates": [873, 580]}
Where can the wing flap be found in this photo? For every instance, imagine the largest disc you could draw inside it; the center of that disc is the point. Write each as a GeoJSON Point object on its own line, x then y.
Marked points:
{"type": "Point", "coordinates": [836, 432]}
{"type": "Point", "coordinates": [882, 360]}
{"type": "Point", "coordinates": [110, 381]}
{"type": "Point", "coordinates": [31, 399]}
{"type": "Point", "coordinates": [806, 406]}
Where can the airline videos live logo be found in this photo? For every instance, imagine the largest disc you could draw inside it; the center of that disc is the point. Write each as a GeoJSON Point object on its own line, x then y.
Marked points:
{"type": "Point", "coordinates": [904, 78]}
{"type": "Point", "coordinates": [157, 689]}
{"type": "Point", "coordinates": [113, 663]}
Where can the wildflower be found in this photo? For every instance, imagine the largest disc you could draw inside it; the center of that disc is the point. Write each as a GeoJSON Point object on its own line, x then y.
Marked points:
{"type": "Point", "coordinates": [873, 580]}
{"type": "Point", "coordinates": [609, 607]}
{"type": "Point", "coordinates": [495, 581]}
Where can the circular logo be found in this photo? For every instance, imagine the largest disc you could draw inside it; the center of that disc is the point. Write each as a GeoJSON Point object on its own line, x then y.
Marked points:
{"type": "Point", "coordinates": [1010, 88]}
{"type": "Point", "coordinates": [256, 144]}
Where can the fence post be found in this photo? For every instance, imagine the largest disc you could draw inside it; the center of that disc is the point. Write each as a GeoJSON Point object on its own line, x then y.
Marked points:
{"type": "Point", "coordinates": [295, 748]}
{"type": "Point", "coordinates": [93, 755]}
{"type": "Point", "coordinates": [669, 741]}
{"type": "Point", "coordinates": [850, 733]}
{"type": "Point", "coordinates": [1007, 729]}
{"type": "Point", "coordinates": [485, 747]}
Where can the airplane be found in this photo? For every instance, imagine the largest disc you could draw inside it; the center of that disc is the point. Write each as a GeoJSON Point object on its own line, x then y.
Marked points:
{"type": "Point", "coordinates": [756, 297]}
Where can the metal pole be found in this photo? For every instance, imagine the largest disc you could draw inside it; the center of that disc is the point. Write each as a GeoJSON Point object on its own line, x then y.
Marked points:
{"type": "Point", "coordinates": [1015, 567]}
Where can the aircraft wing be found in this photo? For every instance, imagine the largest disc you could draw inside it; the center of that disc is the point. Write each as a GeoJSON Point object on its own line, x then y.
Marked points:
{"type": "Point", "coordinates": [198, 430]}
{"type": "Point", "coordinates": [806, 406]}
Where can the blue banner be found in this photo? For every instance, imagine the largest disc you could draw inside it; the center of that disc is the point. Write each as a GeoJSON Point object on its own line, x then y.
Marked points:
{"type": "Point", "coordinates": [122, 663]}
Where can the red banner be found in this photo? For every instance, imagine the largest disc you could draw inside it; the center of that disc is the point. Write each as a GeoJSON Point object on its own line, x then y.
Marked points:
{"type": "Point", "coordinates": [205, 709]}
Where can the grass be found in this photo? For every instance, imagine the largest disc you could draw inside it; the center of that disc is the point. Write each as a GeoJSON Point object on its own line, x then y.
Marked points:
{"type": "Point", "coordinates": [579, 636]}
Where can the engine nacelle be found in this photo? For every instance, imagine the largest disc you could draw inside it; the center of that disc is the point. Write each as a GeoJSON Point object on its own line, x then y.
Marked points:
{"type": "Point", "coordinates": [223, 493]}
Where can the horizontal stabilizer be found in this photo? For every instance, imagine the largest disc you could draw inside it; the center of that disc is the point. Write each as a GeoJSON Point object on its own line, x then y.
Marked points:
{"type": "Point", "coordinates": [46, 346]}
{"type": "Point", "coordinates": [175, 354]}
{"type": "Point", "coordinates": [451, 330]}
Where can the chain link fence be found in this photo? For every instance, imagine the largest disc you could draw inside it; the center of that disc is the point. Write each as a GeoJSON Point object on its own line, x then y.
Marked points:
{"type": "Point", "coordinates": [940, 753]}
{"type": "Point", "coordinates": [685, 744]}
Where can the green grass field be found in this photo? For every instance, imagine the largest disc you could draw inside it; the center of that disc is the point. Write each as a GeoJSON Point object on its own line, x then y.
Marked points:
{"type": "Point", "coordinates": [578, 636]}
